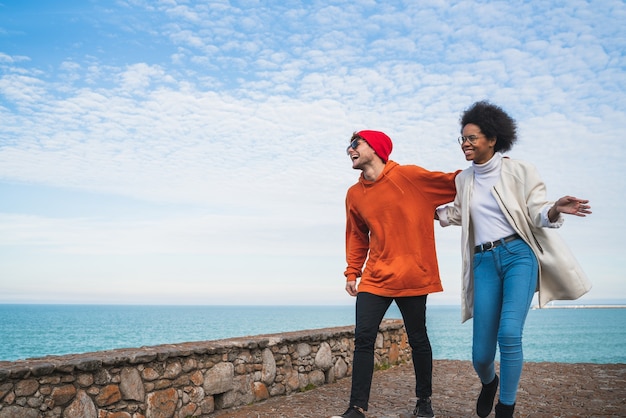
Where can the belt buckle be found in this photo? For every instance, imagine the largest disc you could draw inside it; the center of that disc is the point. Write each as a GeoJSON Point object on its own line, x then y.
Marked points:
{"type": "Point", "coordinates": [487, 246]}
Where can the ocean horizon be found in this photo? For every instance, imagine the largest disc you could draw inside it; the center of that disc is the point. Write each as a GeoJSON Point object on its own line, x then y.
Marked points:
{"type": "Point", "coordinates": [555, 334]}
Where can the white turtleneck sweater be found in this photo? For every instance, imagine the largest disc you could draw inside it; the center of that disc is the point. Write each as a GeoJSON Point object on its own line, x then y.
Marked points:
{"type": "Point", "coordinates": [488, 221]}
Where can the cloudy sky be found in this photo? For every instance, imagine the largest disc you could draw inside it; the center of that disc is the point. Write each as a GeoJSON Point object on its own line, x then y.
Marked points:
{"type": "Point", "coordinates": [193, 152]}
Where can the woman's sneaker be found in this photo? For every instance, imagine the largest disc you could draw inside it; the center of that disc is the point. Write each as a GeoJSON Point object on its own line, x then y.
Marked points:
{"type": "Point", "coordinates": [352, 412]}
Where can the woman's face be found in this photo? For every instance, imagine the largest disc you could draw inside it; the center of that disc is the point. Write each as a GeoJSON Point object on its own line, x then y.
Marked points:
{"type": "Point", "coordinates": [476, 146]}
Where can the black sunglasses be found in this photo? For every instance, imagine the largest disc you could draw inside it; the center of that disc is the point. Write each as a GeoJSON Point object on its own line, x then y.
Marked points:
{"type": "Point", "coordinates": [354, 145]}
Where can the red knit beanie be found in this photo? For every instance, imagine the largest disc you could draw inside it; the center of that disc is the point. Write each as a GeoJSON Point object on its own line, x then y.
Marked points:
{"type": "Point", "coordinates": [379, 141]}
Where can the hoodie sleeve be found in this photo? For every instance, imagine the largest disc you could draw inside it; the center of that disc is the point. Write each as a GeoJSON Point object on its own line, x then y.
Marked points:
{"type": "Point", "coordinates": [439, 187]}
{"type": "Point", "coordinates": [357, 242]}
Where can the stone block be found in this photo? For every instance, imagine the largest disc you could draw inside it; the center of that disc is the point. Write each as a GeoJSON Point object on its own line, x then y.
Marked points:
{"type": "Point", "coordinates": [324, 357]}
{"type": "Point", "coordinates": [162, 404]}
{"type": "Point", "coordinates": [268, 372]}
{"type": "Point", "coordinates": [108, 395]}
{"type": "Point", "coordinates": [131, 385]}
{"type": "Point", "coordinates": [63, 395]}
{"type": "Point", "coordinates": [81, 407]}
{"type": "Point", "coordinates": [219, 378]}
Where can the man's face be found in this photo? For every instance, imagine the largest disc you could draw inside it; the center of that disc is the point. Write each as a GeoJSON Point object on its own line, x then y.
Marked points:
{"type": "Point", "coordinates": [360, 153]}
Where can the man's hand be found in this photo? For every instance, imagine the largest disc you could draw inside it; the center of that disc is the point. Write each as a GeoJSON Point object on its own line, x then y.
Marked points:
{"type": "Point", "coordinates": [351, 288]}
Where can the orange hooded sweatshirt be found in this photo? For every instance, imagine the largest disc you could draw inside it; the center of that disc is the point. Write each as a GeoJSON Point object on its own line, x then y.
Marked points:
{"type": "Point", "coordinates": [390, 223]}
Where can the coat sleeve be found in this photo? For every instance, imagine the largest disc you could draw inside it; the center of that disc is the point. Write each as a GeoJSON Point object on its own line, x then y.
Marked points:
{"type": "Point", "coordinates": [534, 190]}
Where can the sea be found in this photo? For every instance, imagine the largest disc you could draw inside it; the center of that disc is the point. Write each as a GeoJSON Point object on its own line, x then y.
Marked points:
{"type": "Point", "coordinates": [564, 335]}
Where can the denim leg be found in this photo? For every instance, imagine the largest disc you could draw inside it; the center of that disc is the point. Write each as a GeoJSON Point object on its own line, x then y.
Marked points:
{"type": "Point", "coordinates": [520, 270]}
{"type": "Point", "coordinates": [505, 279]}
{"type": "Point", "coordinates": [370, 310]}
{"type": "Point", "coordinates": [487, 306]}
{"type": "Point", "coordinates": [413, 311]}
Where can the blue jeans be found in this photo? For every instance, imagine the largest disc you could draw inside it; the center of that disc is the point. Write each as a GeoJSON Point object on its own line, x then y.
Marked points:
{"type": "Point", "coordinates": [370, 310]}
{"type": "Point", "coordinates": [505, 279]}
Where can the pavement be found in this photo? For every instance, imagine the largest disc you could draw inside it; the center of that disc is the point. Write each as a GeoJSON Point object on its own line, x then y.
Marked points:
{"type": "Point", "coordinates": [546, 390]}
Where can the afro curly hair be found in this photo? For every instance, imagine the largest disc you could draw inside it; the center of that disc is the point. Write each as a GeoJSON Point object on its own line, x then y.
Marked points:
{"type": "Point", "coordinates": [493, 122]}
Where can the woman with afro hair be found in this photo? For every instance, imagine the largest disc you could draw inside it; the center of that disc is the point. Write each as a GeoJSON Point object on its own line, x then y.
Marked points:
{"type": "Point", "coordinates": [510, 249]}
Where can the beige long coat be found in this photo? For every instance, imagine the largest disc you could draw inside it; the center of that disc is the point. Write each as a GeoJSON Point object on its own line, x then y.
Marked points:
{"type": "Point", "coordinates": [521, 195]}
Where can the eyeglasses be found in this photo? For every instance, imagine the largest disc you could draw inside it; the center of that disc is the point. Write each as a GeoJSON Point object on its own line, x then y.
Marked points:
{"type": "Point", "coordinates": [471, 139]}
{"type": "Point", "coordinates": [354, 145]}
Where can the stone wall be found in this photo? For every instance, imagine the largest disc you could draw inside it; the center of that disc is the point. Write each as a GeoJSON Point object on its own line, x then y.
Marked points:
{"type": "Point", "coordinates": [189, 379]}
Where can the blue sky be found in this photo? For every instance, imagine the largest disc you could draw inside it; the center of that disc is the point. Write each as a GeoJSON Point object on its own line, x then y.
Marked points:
{"type": "Point", "coordinates": [191, 152]}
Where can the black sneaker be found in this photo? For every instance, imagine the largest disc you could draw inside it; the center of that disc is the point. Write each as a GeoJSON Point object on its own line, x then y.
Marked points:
{"type": "Point", "coordinates": [352, 412]}
{"type": "Point", "coordinates": [423, 408]}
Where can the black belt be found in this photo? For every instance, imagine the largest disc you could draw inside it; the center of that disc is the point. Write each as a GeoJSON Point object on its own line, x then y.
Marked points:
{"type": "Point", "coordinates": [491, 245]}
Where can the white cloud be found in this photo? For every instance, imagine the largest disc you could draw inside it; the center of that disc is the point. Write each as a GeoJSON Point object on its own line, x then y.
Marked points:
{"type": "Point", "coordinates": [239, 117]}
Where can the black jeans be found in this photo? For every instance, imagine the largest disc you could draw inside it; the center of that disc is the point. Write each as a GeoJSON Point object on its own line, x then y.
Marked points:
{"type": "Point", "coordinates": [370, 310]}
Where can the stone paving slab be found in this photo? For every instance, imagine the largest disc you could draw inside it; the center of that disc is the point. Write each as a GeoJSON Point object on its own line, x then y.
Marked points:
{"type": "Point", "coordinates": [546, 390]}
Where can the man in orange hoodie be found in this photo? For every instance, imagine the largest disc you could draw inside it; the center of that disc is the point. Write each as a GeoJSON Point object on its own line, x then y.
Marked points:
{"type": "Point", "coordinates": [390, 246]}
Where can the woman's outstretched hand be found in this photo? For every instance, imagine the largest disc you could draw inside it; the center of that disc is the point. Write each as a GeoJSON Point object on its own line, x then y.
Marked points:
{"type": "Point", "coordinates": [570, 205]}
